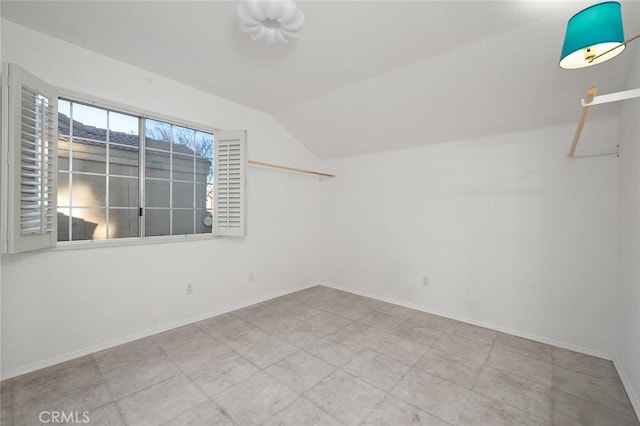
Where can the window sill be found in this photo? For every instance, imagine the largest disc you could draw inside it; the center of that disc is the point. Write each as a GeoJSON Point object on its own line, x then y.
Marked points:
{"type": "Point", "coordinates": [124, 242]}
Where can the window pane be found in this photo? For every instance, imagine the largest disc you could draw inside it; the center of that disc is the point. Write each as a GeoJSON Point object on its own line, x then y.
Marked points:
{"type": "Point", "coordinates": [88, 224]}
{"type": "Point", "coordinates": [123, 192]}
{"type": "Point", "coordinates": [209, 197]}
{"type": "Point", "coordinates": [64, 112]}
{"type": "Point", "coordinates": [63, 154]}
{"type": "Point", "coordinates": [123, 160]}
{"type": "Point", "coordinates": [183, 140]}
{"type": "Point", "coordinates": [157, 164]}
{"type": "Point", "coordinates": [121, 126]}
{"type": "Point", "coordinates": [204, 221]}
{"type": "Point", "coordinates": [89, 156]}
{"type": "Point", "coordinates": [201, 196]}
{"type": "Point", "coordinates": [182, 195]}
{"type": "Point", "coordinates": [182, 222]}
{"type": "Point", "coordinates": [204, 170]}
{"type": "Point", "coordinates": [89, 122]}
{"type": "Point", "coordinates": [63, 189]}
{"type": "Point", "coordinates": [124, 223]}
{"type": "Point", "coordinates": [156, 222]}
{"type": "Point", "coordinates": [182, 168]}
{"type": "Point", "coordinates": [157, 134]}
{"type": "Point", "coordinates": [123, 144]}
{"type": "Point", "coordinates": [204, 144]}
{"type": "Point", "coordinates": [88, 190]}
{"type": "Point", "coordinates": [157, 193]}
{"type": "Point", "coordinates": [64, 219]}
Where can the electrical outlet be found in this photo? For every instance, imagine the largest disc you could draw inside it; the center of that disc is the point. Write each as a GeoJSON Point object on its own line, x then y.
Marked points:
{"type": "Point", "coordinates": [425, 281]}
{"type": "Point", "coordinates": [189, 289]}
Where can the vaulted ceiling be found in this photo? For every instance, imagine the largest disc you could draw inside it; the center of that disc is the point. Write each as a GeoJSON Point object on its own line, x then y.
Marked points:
{"type": "Point", "coordinates": [364, 76]}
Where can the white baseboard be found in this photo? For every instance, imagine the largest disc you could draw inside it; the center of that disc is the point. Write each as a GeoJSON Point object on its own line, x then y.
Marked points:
{"type": "Point", "coordinates": [626, 382]}
{"type": "Point", "coordinates": [138, 335]}
{"type": "Point", "coordinates": [495, 327]}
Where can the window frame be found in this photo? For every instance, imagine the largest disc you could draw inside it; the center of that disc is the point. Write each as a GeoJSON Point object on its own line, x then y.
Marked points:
{"type": "Point", "coordinates": [74, 96]}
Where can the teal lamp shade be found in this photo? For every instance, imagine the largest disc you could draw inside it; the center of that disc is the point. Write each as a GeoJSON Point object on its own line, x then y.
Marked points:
{"type": "Point", "coordinates": [592, 32]}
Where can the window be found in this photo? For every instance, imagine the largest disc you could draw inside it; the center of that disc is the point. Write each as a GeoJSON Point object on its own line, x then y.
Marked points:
{"type": "Point", "coordinates": [112, 174]}
{"type": "Point", "coordinates": [99, 174]}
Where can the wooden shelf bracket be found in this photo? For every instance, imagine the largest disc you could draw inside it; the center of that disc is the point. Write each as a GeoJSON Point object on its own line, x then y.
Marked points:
{"type": "Point", "coordinates": [590, 100]}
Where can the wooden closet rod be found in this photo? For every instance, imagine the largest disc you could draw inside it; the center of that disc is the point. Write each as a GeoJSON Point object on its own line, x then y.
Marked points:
{"type": "Point", "coordinates": [291, 169]}
{"type": "Point", "coordinates": [591, 93]}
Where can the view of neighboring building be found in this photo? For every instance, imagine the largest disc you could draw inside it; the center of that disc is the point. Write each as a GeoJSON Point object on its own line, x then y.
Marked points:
{"type": "Point", "coordinates": [99, 177]}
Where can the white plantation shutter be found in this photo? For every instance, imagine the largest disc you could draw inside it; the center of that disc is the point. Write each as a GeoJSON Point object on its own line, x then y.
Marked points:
{"type": "Point", "coordinates": [230, 190]}
{"type": "Point", "coordinates": [32, 136]}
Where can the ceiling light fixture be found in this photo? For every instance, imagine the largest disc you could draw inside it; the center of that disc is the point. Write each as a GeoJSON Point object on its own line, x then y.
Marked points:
{"type": "Point", "coordinates": [270, 20]}
{"type": "Point", "coordinates": [594, 35]}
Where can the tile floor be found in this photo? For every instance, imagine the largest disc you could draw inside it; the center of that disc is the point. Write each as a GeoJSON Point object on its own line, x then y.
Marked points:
{"type": "Point", "coordinates": [325, 357]}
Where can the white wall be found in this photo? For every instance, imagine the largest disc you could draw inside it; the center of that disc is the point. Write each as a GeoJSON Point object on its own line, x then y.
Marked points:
{"type": "Point", "coordinates": [58, 304]}
{"type": "Point", "coordinates": [510, 233]}
{"type": "Point", "coordinates": [628, 324]}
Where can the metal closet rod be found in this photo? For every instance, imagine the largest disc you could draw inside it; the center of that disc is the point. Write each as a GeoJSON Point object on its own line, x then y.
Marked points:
{"type": "Point", "coordinates": [290, 169]}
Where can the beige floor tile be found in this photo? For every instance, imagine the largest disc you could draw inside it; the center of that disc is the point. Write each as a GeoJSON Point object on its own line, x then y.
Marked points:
{"type": "Point", "coordinates": [522, 346]}
{"type": "Point", "coordinates": [139, 375]}
{"type": "Point", "coordinates": [84, 395]}
{"type": "Point", "coordinates": [352, 311]}
{"type": "Point", "coordinates": [301, 371]}
{"type": "Point", "coordinates": [346, 397]}
{"type": "Point", "coordinates": [302, 412]}
{"type": "Point", "coordinates": [252, 313]}
{"type": "Point", "coordinates": [255, 399]}
{"type": "Point", "coordinates": [608, 394]}
{"type": "Point", "coordinates": [300, 335]}
{"type": "Point", "coordinates": [418, 333]}
{"type": "Point", "coordinates": [107, 415]}
{"type": "Point", "coordinates": [273, 321]}
{"type": "Point", "coordinates": [267, 351]}
{"type": "Point", "coordinates": [434, 321]}
{"type": "Point", "coordinates": [295, 309]}
{"type": "Point", "coordinates": [204, 414]}
{"type": "Point", "coordinates": [160, 402]}
{"type": "Point", "coordinates": [53, 379]}
{"type": "Point", "coordinates": [393, 411]}
{"type": "Point", "coordinates": [585, 364]}
{"type": "Point", "coordinates": [197, 352]}
{"type": "Point", "coordinates": [432, 394]}
{"type": "Point", "coordinates": [531, 398]}
{"type": "Point", "coordinates": [326, 322]}
{"type": "Point", "coordinates": [221, 373]}
{"type": "Point", "coordinates": [380, 370]}
{"type": "Point", "coordinates": [396, 311]}
{"type": "Point", "coordinates": [470, 331]}
{"type": "Point", "coordinates": [6, 415]}
{"type": "Point", "coordinates": [304, 296]}
{"type": "Point", "coordinates": [440, 364]}
{"type": "Point", "coordinates": [569, 410]}
{"type": "Point", "coordinates": [484, 411]}
{"type": "Point", "coordinates": [462, 349]}
{"type": "Point", "coordinates": [212, 325]}
{"type": "Point", "coordinates": [334, 349]}
{"type": "Point", "coordinates": [354, 359]}
{"type": "Point", "coordinates": [124, 354]}
{"type": "Point", "coordinates": [381, 321]}
{"type": "Point", "coordinates": [238, 334]}
{"type": "Point", "coordinates": [6, 395]}
{"type": "Point", "coordinates": [390, 344]}
{"type": "Point", "coordinates": [178, 337]}
{"type": "Point", "coordinates": [530, 368]}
